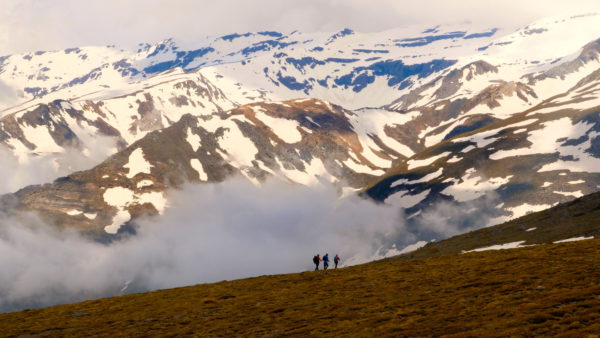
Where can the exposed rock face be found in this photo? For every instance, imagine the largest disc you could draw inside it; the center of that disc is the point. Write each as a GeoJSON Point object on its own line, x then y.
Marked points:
{"type": "Point", "coordinates": [47, 129]}
{"type": "Point", "coordinates": [302, 141]}
{"type": "Point", "coordinates": [589, 53]}
{"type": "Point", "coordinates": [528, 162]}
{"type": "Point", "coordinates": [446, 85]}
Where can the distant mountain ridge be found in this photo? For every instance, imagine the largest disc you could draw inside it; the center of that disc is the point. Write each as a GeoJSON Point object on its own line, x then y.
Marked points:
{"type": "Point", "coordinates": [413, 117]}
{"type": "Point", "coordinates": [302, 142]}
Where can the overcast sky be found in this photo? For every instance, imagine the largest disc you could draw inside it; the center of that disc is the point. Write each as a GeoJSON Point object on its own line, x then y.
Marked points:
{"type": "Point", "coordinates": [30, 25]}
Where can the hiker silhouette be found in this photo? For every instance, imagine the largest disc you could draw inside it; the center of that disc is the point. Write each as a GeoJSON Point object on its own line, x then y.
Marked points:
{"type": "Point", "coordinates": [336, 260]}
{"type": "Point", "coordinates": [325, 261]}
{"type": "Point", "coordinates": [316, 260]}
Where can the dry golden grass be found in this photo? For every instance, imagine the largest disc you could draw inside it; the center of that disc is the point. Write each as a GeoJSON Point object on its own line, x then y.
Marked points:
{"type": "Point", "coordinates": [537, 291]}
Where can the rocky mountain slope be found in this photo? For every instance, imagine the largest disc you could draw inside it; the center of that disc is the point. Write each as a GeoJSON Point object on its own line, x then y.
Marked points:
{"type": "Point", "coordinates": [525, 162]}
{"type": "Point", "coordinates": [441, 77]}
{"type": "Point", "coordinates": [50, 129]}
{"type": "Point", "coordinates": [302, 142]}
{"type": "Point", "coordinates": [463, 117]}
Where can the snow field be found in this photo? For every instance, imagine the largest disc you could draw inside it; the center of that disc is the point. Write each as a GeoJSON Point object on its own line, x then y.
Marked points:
{"type": "Point", "coordinates": [428, 161]}
{"type": "Point", "coordinates": [286, 130]}
{"type": "Point", "coordinates": [472, 186]}
{"type": "Point", "coordinates": [406, 200]}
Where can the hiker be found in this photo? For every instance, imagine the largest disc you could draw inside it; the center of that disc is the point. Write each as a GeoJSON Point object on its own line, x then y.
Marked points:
{"type": "Point", "coordinates": [316, 260]}
{"type": "Point", "coordinates": [325, 261]}
{"type": "Point", "coordinates": [336, 260]}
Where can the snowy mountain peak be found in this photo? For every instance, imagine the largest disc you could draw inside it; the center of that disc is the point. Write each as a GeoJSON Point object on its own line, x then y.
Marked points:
{"type": "Point", "coordinates": [418, 115]}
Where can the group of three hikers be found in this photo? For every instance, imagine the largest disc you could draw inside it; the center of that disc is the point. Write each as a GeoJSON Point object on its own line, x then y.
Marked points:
{"type": "Point", "coordinates": [325, 259]}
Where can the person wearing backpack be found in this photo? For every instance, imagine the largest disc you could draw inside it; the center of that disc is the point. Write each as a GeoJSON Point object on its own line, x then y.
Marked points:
{"type": "Point", "coordinates": [336, 260]}
{"type": "Point", "coordinates": [325, 261]}
{"type": "Point", "coordinates": [316, 260]}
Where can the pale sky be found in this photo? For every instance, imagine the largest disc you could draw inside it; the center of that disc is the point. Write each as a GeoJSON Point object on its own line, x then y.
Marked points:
{"type": "Point", "coordinates": [31, 25]}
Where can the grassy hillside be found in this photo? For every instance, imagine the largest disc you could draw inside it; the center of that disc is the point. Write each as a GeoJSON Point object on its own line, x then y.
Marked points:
{"type": "Point", "coordinates": [577, 218]}
{"type": "Point", "coordinates": [542, 290]}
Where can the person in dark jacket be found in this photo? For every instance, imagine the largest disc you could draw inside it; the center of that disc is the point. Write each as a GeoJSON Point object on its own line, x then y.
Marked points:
{"type": "Point", "coordinates": [336, 260]}
{"type": "Point", "coordinates": [316, 260]}
{"type": "Point", "coordinates": [325, 261]}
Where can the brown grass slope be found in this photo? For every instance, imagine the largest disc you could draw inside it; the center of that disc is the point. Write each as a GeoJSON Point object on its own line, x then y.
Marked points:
{"type": "Point", "coordinates": [577, 218]}
{"type": "Point", "coordinates": [543, 290]}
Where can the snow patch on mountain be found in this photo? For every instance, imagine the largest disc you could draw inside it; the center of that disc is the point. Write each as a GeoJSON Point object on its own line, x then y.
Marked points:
{"type": "Point", "coordinates": [412, 163]}
{"type": "Point", "coordinates": [483, 139]}
{"type": "Point", "coordinates": [118, 196]}
{"type": "Point", "coordinates": [144, 183]}
{"type": "Point", "coordinates": [40, 136]}
{"type": "Point", "coordinates": [574, 239]}
{"type": "Point", "coordinates": [369, 122]}
{"type": "Point", "coordinates": [575, 194]}
{"type": "Point", "coordinates": [197, 165]}
{"type": "Point", "coordinates": [240, 150]}
{"type": "Point", "coordinates": [360, 168]}
{"type": "Point", "coordinates": [526, 208]}
{"type": "Point", "coordinates": [512, 245]}
{"type": "Point", "coordinates": [137, 163]}
{"type": "Point", "coordinates": [580, 159]}
{"type": "Point", "coordinates": [121, 198]}
{"type": "Point", "coordinates": [156, 198]}
{"type": "Point", "coordinates": [118, 220]}
{"type": "Point", "coordinates": [313, 173]}
{"type": "Point", "coordinates": [406, 199]}
{"type": "Point", "coordinates": [193, 140]}
{"type": "Point", "coordinates": [286, 130]}
{"type": "Point", "coordinates": [472, 186]}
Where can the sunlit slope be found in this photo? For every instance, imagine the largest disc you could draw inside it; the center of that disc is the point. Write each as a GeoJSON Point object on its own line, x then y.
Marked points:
{"type": "Point", "coordinates": [573, 220]}
{"type": "Point", "coordinates": [542, 290]}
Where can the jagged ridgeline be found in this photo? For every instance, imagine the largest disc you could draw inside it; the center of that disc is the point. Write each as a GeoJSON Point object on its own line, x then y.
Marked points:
{"type": "Point", "coordinates": [472, 119]}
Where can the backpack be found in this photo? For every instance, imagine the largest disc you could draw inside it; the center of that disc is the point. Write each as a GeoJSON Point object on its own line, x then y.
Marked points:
{"type": "Point", "coordinates": [316, 260]}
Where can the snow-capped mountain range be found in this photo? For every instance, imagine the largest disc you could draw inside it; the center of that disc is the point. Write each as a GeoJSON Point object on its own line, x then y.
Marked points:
{"type": "Point", "coordinates": [413, 116]}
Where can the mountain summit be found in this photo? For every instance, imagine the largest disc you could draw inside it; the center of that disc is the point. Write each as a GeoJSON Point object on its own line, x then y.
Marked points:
{"type": "Point", "coordinates": [413, 118]}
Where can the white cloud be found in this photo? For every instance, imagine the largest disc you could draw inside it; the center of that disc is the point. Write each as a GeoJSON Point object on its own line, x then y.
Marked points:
{"type": "Point", "coordinates": [29, 25]}
{"type": "Point", "coordinates": [213, 232]}
{"type": "Point", "coordinates": [44, 169]}
{"type": "Point", "coordinates": [8, 94]}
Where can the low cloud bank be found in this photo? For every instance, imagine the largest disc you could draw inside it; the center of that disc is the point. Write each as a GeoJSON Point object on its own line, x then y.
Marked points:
{"type": "Point", "coordinates": [30, 169]}
{"type": "Point", "coordinates": [209, 233]}
{"type": "Point", "coordinates": [30, 25]}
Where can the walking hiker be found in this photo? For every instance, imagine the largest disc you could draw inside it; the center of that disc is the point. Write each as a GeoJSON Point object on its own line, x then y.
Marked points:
{"type": "Point", "coordinates": [325, 261]}
{"type": "Point", "coordinates": [336, 260]}
{"type": "Point", "coordinates": [316, 260]}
